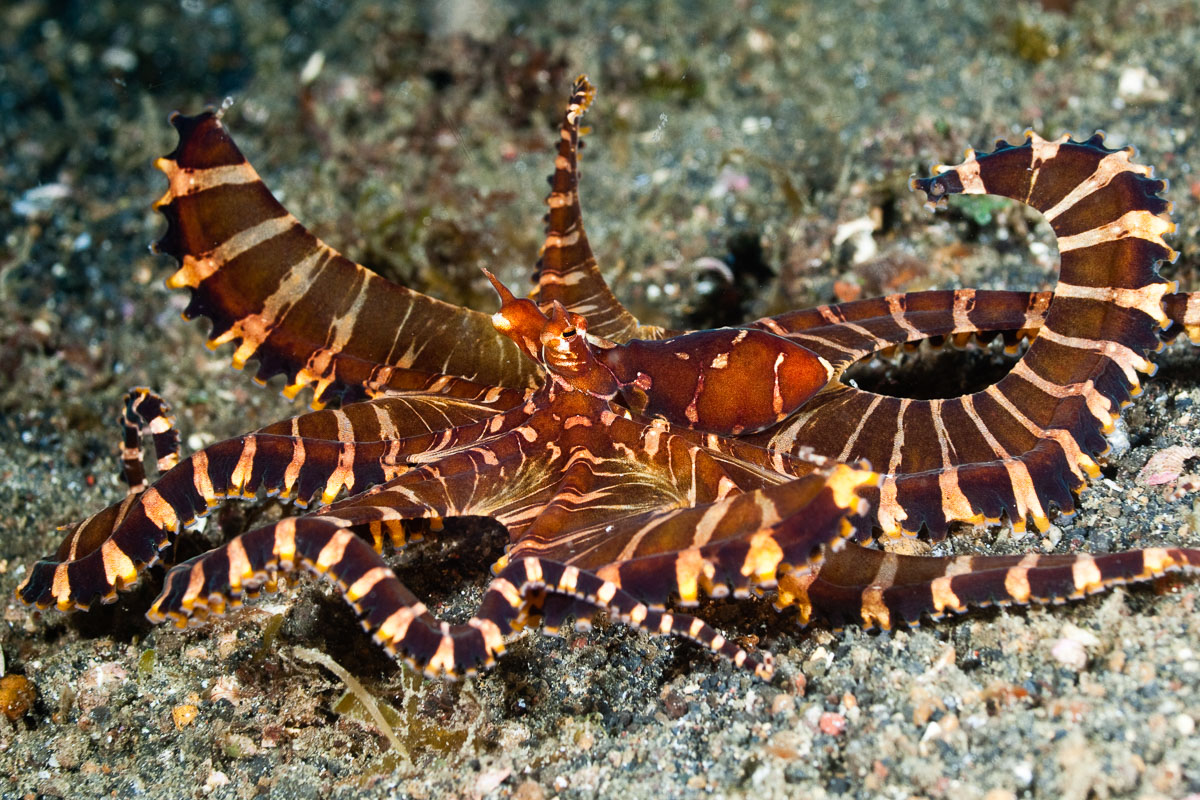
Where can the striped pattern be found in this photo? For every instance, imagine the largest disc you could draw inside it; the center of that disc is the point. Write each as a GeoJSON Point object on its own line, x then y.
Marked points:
{"type": "Point", "coordinates": [293, 303]}
{"type": "Point", "coordinates": [1183, 309]}
{"type": "Point", "coordinates": [731, 381]}
{"type": "Point", "coordinates": [877, 589]}
{"type": "Point", "coordinates": [566, 271]}
{"type": "Point", "coordinates": [316, 456]}
{"type": "Point", "coordinates": [396, 618]}
{"type": "Point", "coordinates": [146, 414]}
{"type": "Point", "coordinates": [607, 506]}
{"type": "Point", "coordinates": [1024, 445]}
{"type": "Point", "coordinates": [622, 521]}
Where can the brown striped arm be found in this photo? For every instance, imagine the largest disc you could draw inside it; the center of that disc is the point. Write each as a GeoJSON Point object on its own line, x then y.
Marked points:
{"type": "Point", "coordinates": [849, 332]}
{"type": "Point", "coordinates": [572, 474]}
{"type": "Point", "coordinates": [1028, 442]}
{"type": "Point", "coordinates": [327, 546]}
{"type": "Point", "coordinates": [145, 413]}
{"type": "Point", "coordinates": [584, 589]}
{"type": "Point", "coordinates": [320, 454]}
{"type": "Point", "coordinates": [571, 464]}
{"type": "Point", "coordinates": [293, 303]}
{"type": "Point", "coordinates": [1183, 309]}
{"type": "Point", "coordinates": [876, 589]}
{"type": "Point", "coordinates": [566, 271]}
{"type": "Point", "coordinates": [731, 544]}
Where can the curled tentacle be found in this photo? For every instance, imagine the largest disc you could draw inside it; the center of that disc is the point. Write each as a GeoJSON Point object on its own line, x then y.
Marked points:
{"type": "Point", "coordinates": [1028, 442]}
{"type": "Point", "coordinates": [145, 412]}
{"type": "Point", "coordinates": [328, 546]}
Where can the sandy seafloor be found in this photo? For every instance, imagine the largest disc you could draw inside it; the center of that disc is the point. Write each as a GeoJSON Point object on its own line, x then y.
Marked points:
{"type": "Point", "coordinates": [417, 141]}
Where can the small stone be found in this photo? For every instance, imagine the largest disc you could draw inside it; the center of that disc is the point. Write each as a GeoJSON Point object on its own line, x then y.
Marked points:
{"type": "Point", "coordinates": [239, 745]}
{"type": "Point", "coordinates": [225, 688]}
{"type": "Point", "coordinates": [674, 705]}
{"type": "Point", "coordinates": [40, 199]}
{"type": "Point", "coordinates": [512, 734]}
{"type": "Point", "coordinates": [832, 723]}
{"type": "Point", "coordinates": [529, 790]}
{"type": "Point", "coordinates": [17, 696]}
{"type": "Point", "coordinates": [184, 715]}
{"type": "Point", "coordinates": [97, 684]}
{"type": "Point", "coordinates": [786, 746]}
{"type": "Point", "coordinates": [1052, 538]}
{"type": "Point", "coordinates": [1185, 724]}
{"type": "Point", "coordinates": [1070, 653]}
{"type": "Point", "coordinates": [845, 291]}
{"type": "Point", "coordinates": [781, 703]}
{"type": "Point", "coordinates": [215, 780]}
{"type": "Point", "coordinates": [1070, 649]}
{"type": "Point", "coordinates": [69, 751]}
{"type": "Point", "coordinates": [759, 41]}
{"type": "Point", "coordinates": [1075, 633]}
{"type": "Point", "coordinates": [119, 59]}
{"type": "Point", "coordinates": [859, 236]}
{"type": "Point", "coordinates": [1118, 439]}
{"type": "Point", "coordinates": [312, 67]}
{"type": "Point", "coordinates": [1139, 85]}
{"type": "Point", "coordinates": [490, 781]}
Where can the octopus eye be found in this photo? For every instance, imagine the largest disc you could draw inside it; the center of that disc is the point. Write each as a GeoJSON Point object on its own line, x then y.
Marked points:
{"type": "Point", "coordinates": [568, 333]}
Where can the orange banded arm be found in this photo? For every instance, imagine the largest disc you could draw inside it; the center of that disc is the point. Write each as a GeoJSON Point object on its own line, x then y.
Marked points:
{"type": "Point", "coordinates": [876, 589]}
{"type": "Point", "coordinates": [567, 271]}
{"type": "Point", "coordinates": [321, 455]}
{"type": "Point", "coordinates": [295, 304]}
{"type": "Point", "coordinates": [1028, 442]}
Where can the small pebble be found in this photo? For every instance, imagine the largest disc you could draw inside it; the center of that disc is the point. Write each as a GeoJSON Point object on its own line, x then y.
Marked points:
{"type": "Point", "coordinates": [119, 59]}
{"type": "Point", "coordinates": [530, 790]}
{"type": "Point", "coordinates": [1070, 653]}
{"type": "Point", "coordinates": [215, 780]}
{"type": "Point", "coordinates": [832, 723]}
{"type": "Point", "coordinates": [1118, 440]}
{"type": "Point", "coordinates": [674, 705]}
{"type": "Point", "coordinates": [17, 696]}
{"type": "Point", "coordinates": [97, 684]}
{"type": "Point", "coordinates": [184, 715]}
{"type": "Point", "coordinates": [1078, 634]}
{"type": "Point", "coordinates": [40, 199]}
{"type": "Point", "coordinates": [490, 781]}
